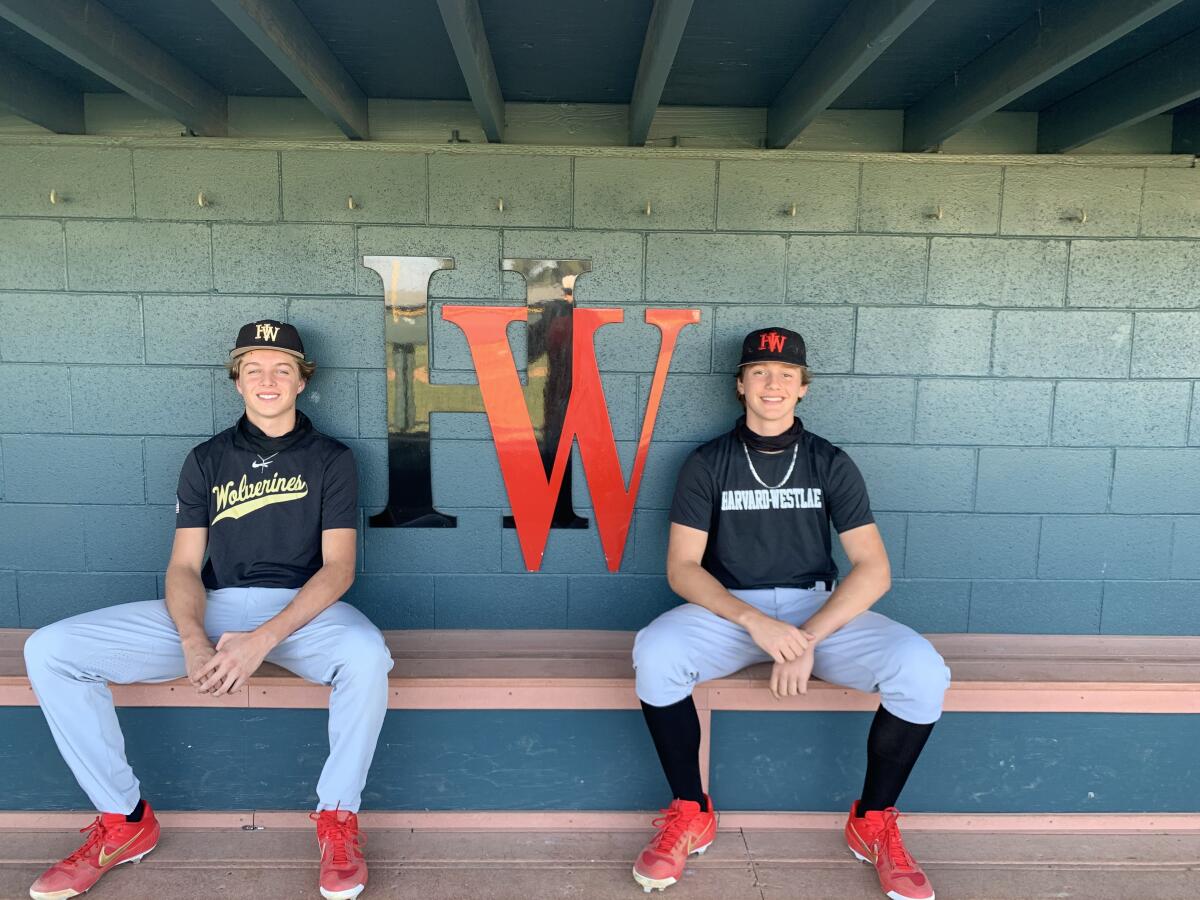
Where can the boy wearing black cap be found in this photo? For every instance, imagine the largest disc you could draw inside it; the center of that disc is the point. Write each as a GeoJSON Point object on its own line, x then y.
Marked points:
{"type": "Point", "coordinates": [750, 550]}
{"type": "Point", "coordinates": [273, 503]}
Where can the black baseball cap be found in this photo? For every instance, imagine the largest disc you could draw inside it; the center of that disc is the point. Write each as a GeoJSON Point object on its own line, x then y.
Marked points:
{"type": "Point", "coordinates": [773, 345]}
{"type": "Point", "coordinates": [268, 334]}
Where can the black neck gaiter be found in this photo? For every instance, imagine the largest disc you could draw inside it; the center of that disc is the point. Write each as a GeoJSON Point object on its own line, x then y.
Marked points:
{"type": "Point", "coordinates": [251, 436]}
{"type": "Point", "coordinates": [769, 444]}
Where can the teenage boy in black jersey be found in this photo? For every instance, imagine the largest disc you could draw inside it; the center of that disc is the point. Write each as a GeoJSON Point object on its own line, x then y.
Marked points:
{"type": "Point", "coordinates": [750, 551]}
{"type": "Point", "coordinates": [273, 502]}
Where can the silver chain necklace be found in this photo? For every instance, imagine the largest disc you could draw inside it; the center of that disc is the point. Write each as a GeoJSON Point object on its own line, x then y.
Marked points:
{"type": "Point", "coordinates": [771, 487]}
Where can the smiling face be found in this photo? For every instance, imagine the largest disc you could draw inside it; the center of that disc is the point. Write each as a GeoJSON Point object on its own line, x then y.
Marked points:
{"type": "Point", "coordinates": [771, 391]}
{"type": "Point", "coordinates": [270, 381]}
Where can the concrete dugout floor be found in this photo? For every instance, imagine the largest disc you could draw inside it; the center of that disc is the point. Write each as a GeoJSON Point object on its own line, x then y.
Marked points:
{"type": "Point", "coordinates": [741, 865]}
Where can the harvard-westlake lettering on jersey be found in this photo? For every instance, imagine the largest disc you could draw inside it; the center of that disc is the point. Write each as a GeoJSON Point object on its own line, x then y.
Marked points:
{"type": "Point", "coordinates": [265, 502]}
{"type": "Point", "coordinates": [772, 498]}
{"type": "Point", "coordinates": [770, 537]}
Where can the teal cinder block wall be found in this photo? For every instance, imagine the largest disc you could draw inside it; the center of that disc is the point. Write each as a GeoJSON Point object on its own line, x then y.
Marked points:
{"type": "Point", "coordinates": [1017, 386]}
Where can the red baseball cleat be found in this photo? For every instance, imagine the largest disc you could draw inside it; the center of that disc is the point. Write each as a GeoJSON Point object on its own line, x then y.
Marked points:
{"type": "Point", "coordinates": [111, 840]}
{"type": "Point", "coordinates": [683, 829]}
{"type": "Point", "coordinates": [343, 867]}
{"type": "Point", "coordinates": [875, 838]}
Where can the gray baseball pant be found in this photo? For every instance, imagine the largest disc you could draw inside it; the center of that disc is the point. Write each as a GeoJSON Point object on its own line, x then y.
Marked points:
{"type": "Point", "coordinates": [871, 653]}
{"type": "Point", "coordinates": [71, 662]}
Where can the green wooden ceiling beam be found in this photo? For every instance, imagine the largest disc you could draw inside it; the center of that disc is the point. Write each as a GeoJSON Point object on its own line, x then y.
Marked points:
{"type": "Point", "coordinates": [663, 33]}
{"type": "Point", "coordinates": [464, 25]}
{"type": "Point", "coordinates": [1055, 38]}
{"type": "Point", "coordinates": [89, 34]}
{"type": "Point", "coordinates": [862, 32]}
{"type": "Point", "coordinates": [286, 38]}
{"type": "Point", "coordinates": [1154, 84]}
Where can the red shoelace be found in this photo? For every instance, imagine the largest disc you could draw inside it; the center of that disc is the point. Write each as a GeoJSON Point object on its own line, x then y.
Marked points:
{"type": "Point", "coordinates": [95, 833]}
{"type": "Point", "coordinates": [338, 834]}
{"type": "Point", "coordinates": [890, 837]}
{"type": "Point", "coordinates": [672, 824]}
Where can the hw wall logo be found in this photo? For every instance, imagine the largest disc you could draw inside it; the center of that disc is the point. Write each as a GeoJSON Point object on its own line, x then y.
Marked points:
{"type": "Point", "coordinates": [534, 424]}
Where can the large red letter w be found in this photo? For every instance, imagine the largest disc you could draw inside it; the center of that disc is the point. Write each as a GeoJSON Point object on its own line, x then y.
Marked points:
{"type": "Point", "coordinates": [531, 491]}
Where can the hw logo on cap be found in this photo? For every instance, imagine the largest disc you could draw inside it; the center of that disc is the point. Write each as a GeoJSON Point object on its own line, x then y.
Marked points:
{"type": "Point", "coordinates": [268, 334]}
{"type": "Point", "coordinates": [773, 345]}
{"type": "Point", "coordinates": [265, 331]}
{"type": "Point", "coordinates": [772, 341]}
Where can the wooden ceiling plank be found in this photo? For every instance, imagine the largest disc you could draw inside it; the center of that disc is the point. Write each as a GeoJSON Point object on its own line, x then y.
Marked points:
{"type": "Point", "coordinates": [1154, 84]}
{"type": "Point", "coordinates": [93, 37]}
{"type": "Point", "coordinates": [32, 94]}
{"type": "Point", "coordinates": [1049, 42]}
{"type": "Point", "coordinates": [280, 30]}
{"type": "Point", "coordinates": [864, 30]}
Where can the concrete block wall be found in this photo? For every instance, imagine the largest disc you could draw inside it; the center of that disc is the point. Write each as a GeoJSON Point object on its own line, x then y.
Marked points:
{"type": "Point", "coordinates": [1017, 385]}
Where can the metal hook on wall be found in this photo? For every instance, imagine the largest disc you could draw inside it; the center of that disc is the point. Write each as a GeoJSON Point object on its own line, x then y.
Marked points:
{"type": "Point", "coordinates": [647, 210]}
{"type": "Point", "coordinates": [791, 210]}
{"type": "Point", "coordinates": [938, 213]}
{"type": "Point", "coordinates": [55, 197]}
{"type": "Point", "coordinates": [351, 203]}
{"type": "Point", "coordinates": [500, 204]}
{"type": "Point", "coordinates": [202, 200]}
{"type": "Point", "coordinates": [1080, 217]}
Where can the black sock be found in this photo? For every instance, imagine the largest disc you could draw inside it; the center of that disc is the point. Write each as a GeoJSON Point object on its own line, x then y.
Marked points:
{"type": "Point", "coordinates": [892, 750]}
{"type": "Point", "coordinates": [136, 815]}
{"type": "Point", "coordinates": [675, 730]}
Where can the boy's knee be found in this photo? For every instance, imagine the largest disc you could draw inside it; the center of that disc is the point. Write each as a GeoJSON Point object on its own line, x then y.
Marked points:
{"type": "Point", "coordinates": [364, 651]}
{"type": "Point", "coordinates": [923, 677]}
{"type": "Point", "coordinates": [43, 647]}
{"type": "Point", "coordinates": [657, 650]}
{"type": "Point", "coordinates": [660, 657]}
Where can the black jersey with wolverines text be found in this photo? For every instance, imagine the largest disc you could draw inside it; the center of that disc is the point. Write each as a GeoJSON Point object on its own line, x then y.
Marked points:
{"type": "Point", "coordinates": [265, 502]}
{"type": "Point", "coordinates": [768, 531]}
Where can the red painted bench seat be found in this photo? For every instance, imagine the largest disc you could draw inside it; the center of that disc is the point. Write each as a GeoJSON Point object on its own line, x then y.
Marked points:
{"type": "Point", "coordinates": [591, 670]}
